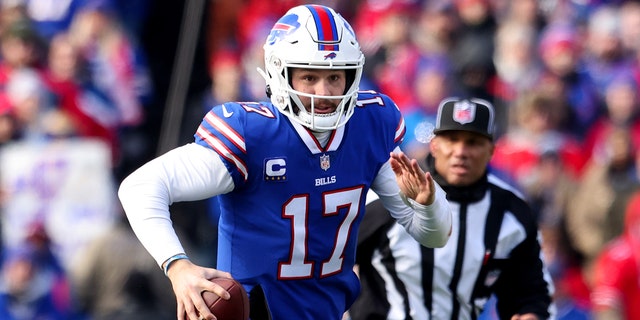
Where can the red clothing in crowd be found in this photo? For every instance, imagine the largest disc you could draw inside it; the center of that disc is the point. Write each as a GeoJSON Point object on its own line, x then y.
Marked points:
{"type": "Point", "coordinates": [68, 93]}
{"type": "Point", "coordinates": [617, 271]}
{"type": "Point", "coordinates": [518, 155]}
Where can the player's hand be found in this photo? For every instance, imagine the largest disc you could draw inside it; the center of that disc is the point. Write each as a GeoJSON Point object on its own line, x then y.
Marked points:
{"type": "Point", "coordinates": [412, 180]}
{"type": "Point", "coordinates": [189, 281]}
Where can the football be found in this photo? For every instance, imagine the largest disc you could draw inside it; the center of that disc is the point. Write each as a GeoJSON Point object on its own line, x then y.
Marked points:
{"type": "Point", "coordinates": [236, 308]}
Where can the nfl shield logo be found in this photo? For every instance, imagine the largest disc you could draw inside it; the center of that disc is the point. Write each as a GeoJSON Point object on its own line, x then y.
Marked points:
{"type": "Point", "coordinates": [325, 163]}
{"type": "Point", "coordinates": [464, 112]}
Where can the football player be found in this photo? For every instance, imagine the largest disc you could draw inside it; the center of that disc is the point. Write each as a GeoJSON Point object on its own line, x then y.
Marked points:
{"type": "Point", "coordinates": [292, 176]}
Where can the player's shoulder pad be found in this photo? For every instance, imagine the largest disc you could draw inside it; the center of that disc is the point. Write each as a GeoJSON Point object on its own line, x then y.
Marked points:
{"type": "Point", "coordinates": [379, 109]}
{"type": "Point", "coordinates": [376, 99]}
{"type": "Point", "coordinates": [239, 112]}
{"type": "Point", "coordinates": [371, 96]}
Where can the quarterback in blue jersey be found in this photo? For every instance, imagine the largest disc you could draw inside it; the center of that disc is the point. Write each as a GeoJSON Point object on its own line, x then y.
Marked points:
{"type": "Point", "coordinates": [292, 176]}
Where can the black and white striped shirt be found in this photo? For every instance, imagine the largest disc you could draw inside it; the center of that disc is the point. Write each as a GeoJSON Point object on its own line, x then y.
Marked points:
{"type": "Point", "coordinates": [403, 280]}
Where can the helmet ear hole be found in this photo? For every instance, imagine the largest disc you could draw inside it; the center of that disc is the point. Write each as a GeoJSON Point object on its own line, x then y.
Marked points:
{"type": "Point", "coordinates": [268, 91]}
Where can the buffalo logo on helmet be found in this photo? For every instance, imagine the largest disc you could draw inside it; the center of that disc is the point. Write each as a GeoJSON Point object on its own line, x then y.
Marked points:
{"type": "Point", "coordinates": [331, 55]}
{"type": "Point", "coordinates": [285, 26]}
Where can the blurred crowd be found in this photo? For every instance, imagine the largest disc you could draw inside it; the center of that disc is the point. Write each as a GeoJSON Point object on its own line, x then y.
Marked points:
{"type": "Point", "coordinates": [82, 94]}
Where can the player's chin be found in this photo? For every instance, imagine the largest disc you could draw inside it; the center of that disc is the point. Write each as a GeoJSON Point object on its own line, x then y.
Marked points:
{"type": "Point", "coordinates": [324, 113]}
{"type": "Point", "coordinates": [459, 180]}
{"type": "Point", "coordinates": [325, 109]}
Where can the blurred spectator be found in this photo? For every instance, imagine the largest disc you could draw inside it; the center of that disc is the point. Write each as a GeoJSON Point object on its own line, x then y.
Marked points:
{"type": "Point", "coordinates": [132, 14]}
{"type": "Point", "coordinates": [30, 290]}
{"type": "Point", "coordinates": [50, 17]}
{"type": "Point", "coordinates": [20, 48]}
{"type": "Point", "coordinates": [12, 11]}
{"type": "Point", "coordinates": [8, 125]}
{"type": "Point", "coordinates": [618, 207]}
{"type": "Point", "coordinates": [113, 62]}
{"type": "Point", "coordinates": [142, 300]}
{"type": "Point", "coordinates": [630, 34]}
{"type": "Point", "coordinates": [63, 78]}
{"type": "Point", "coordinates": [527, 12]}
{"type": "Point", "coordinates": [630, 26]}
{"type": "Point", "coordinates": [227, 83]}
{"type": "Point", "coordinates": [37, 117]}
{"type": "Point", "coordinates": [117, 86]}
{"type": "Point", "coordinates": [432, 85]}
{"type": "Point", "coordinates": [622, 110]}
{"type": "Point", "coordinates": [616, 289]}
{"type": "Point", "coordinates": [392, 63]}
{"type": "Point", "coordinates": [43, 254]}
{"type": "Point", "coordinates": [255, 19]}
{"type": "Point", "coordinates": [563, 76]}
{"type": "Point", "coordinates": [574, 12]}
{"type": "Point", "coordinates": [435, 28]}
{"type": "Point", "coordinates": [115, 278]}
{"type": "Point", "coordinates": [517, 69]}
{"type": "Point", "coordinates": [66, 184]}
{"type": "Point", "coordinates": [604, 177]}
{"type": "Point", "coordinates": [473, 48]}
{"type": "Point", "coordinates": [244, 25]}
{"type": "Point", "coordinates": [535, 131]}
{"type": "Point", "coordinates": [549, 189]}
{"type": "Point", "coordinates": [604, 54]}
{"type": "Point", "coordinates": [226, 78]}
{"type": "Point", "coordinates": [252, 58]}
{"type": "Point", "coordinates": [222, 25]}
{"type": "Point", "coordinates": [257, 16]}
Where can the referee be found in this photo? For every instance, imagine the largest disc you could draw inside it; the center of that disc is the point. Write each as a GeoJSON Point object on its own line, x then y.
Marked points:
{"type": "Point", "coordinates": [493, 248]}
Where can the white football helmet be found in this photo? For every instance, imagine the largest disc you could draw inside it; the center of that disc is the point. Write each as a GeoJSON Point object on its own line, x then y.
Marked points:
{"type": "Point", "coordinates": [315, 37]}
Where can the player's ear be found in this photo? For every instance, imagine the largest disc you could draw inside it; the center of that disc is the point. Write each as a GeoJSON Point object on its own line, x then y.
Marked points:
{"type": "Point", "coordinates": [433, 145]}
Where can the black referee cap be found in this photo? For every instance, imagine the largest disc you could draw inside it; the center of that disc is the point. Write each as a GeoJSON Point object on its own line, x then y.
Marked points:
{"type": "Point", "coordinates": [474, 115]}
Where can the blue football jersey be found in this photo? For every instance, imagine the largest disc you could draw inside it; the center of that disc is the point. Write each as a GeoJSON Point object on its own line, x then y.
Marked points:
{"type": "Point", "coordinates": [290, 225]}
